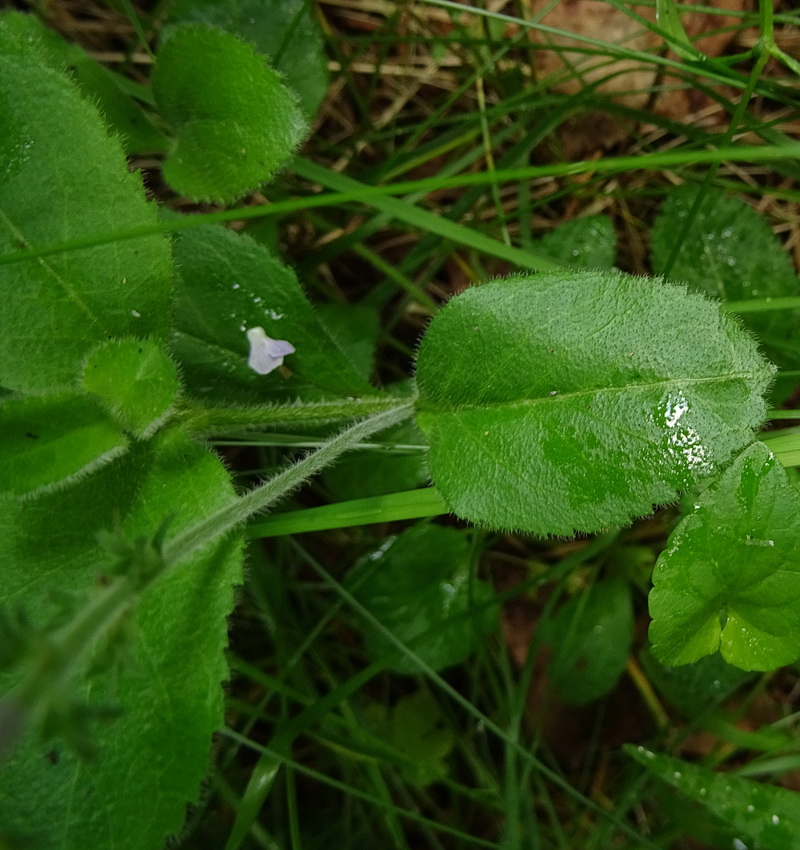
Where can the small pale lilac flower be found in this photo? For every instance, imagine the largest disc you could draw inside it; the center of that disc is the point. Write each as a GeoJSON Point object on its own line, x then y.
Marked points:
{"type": "Point", "coordinates": [266, 354]}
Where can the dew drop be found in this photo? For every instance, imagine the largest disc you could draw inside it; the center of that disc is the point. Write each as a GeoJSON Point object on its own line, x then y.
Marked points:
{"type": "Point", "coordinates": [136, 314]}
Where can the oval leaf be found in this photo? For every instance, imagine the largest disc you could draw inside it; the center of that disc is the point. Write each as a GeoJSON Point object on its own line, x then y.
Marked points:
{"type": "Point", "coordinates": [57, 308]}
{"type": "Point", "coordinates": [136, 381]}
{"type": "Point", "coordinates": [235, 121]}
{"type": "Point", "coordinates": [590, 638]}
{"type": "Point", "coordinates": [589, 242]}
{"type": "Point", "coordinates": [47, 441]}
{"type": "Point", "coordinates": [284, 30]}
{"type": "Point", "coordinates": [575, 401]}
{"type": "Point", "coordinates": [730, 576]}
{"type": "Point", "coordinates": [413, 587]}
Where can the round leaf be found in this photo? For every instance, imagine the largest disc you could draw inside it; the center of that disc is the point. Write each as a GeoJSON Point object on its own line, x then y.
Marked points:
{"type": "Point", "coordinates": [235, 121]}
{"type": "Point", "coordinates": [730, 252]}
{"type": "Point", "coordinates": [135, 379]}
{"type": "Point", "coordinates": [575, 401]}
{"type": "Point", "coordinates": [229, 283]}
{"type": "Point", "coordinates": [284, 30]}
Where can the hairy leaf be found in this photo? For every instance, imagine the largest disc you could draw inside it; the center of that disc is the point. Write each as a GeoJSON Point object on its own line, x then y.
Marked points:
{"type": "Point", "coordinates": [229, 283]}
{"type": "Point", "coordinates": [730, 576]}
{"type": "Point", "coordinates": [166, 678]}
{"type": "Point", "coordinates": [283, 30]}
{"type": "Point", "coordinates": [578, 400]}
{"type": "Point", "coordinates": [235, 122]}
{"type": "Point", "coordinates": [762, 816]}
{"type": "Point", "coordinates": [57, 308]}
{"type": "Point", "coordinates": [136, 130]}
{"type": "Point", "coordinates": [136, 381]}
{"type": "Point", "coordinates": [415, 586]}
{"type": "Point", "coordinates": [48, 440]}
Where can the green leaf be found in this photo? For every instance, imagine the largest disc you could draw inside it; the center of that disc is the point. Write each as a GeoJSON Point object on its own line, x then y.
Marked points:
{"type": "Point", "coordinates": [731, 253]}
{"type": "Point", "coordinates": [136, 381]}
{"type": "Point", "coordinates": [283, 30]}
{"type": "Point", "coordinates": [767, 816]}
{"type": "Point", "coordinates": [413, 586]}
{"type": "Point", "coordinates": [380, 471]}
{"type": "Point", "coordinates": [693, 688]}
{"type": "Point", "coordinates": [590, 638]}
{"type": "Point", "coordinates": [588, 242]}
{"type": "Point", "coordinates": [167, 685]}
{"type": "Point", "coordinates": [416, 730]}
{"type": "Point", "coordinates": [135, 128]}
{"type": "Point", "coordinates": [356, 329]}
{"type": "Point", "coordinates": [50, 440]}
{"type": "Point", "coordinates": [578, 400]}
{"type": "Point", "coordinates": [730, 576]}
{"type": "Point", "coordinates": [58, 308]}
{"type": "Point", "coordinates": [229, 283]}
{"type": "Point", "coordinates": [235, 122]}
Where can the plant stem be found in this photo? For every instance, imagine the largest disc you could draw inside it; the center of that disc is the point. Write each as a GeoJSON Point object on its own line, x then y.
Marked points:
{"type": "Point", "coordinates": [213, 421]}
{"type": "Point", "coordinates": [215, 526]}
{"type": "Point", "coordinates": [42, 690]}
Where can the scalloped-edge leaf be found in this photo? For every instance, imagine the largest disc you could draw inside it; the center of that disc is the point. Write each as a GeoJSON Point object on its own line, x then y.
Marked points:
{"type": "Point", "coordinates": [235, 122]}
{"type": "Point", "coordinates": [578, 400]}
{"type": "Point", "coordinates": [729, 578]}
{"type": "Point", "coordinates": [51, 440]}
{"type": "Point", "coordinates": [56, 309]}
{"type": "Point", "coordinates": [762, 817]}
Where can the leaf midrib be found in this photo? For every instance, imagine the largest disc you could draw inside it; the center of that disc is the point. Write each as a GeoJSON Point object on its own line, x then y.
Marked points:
{"type": "Point", "coordinates": [430, 406]}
